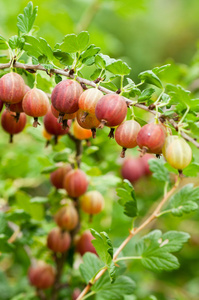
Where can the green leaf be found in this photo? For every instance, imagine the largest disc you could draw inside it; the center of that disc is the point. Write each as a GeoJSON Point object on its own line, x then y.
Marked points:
{"type": "Point", "coordinates": [155, 249]}
{"type": "Point", "coordinates": [91, 149]}
{"type": "Point", "coordinates": [3, 222]}
{"type": "Point", "coordinates": [95, 74]}
{"type": "Point", "coordinates": [26, 20]}
{"type": "Point", "coordinates": [119, 67]}
{"type": "Point", "coordinates": [48, 170]}
{"type": "Point", "coordinates": [16, 42]}
{"type": "Point", "coordinates": [179, 96]}
{"type": "Point", "coordinates": [3, 43]}
{"type": "Point", "coordinates": [160, 172]}
{"type": "Point", "coordinates": [18, 215]}
{"type": "Point", "coordinates": [75, 43]}
{"type": "Point", "coordinates": [39, 200]}
{"type": "Point", "coordinates": [39, 48]}
{"type": "Point", "coordinates": [63, 57]}
{"type": "Point", "coordinates": [62, 155]}
{"type": "Point", "coordinates": [122, 286]}
{"type": "Point", "coordinates": [90, 51]}
{"type": "Point", "coordinates": [90, 266]}
{"type": "Point", "coordinates": [127, 199]}
{"type": "Point", "coordinates": [157, 70]}
{"type": "Point", "coordinates": [146, 95]}
{"type": "Point", "coordinates": [4, 245]}
{"type": "Point", "coordinates": [100, 61]}
{"type": "Point", "coordinates": [191, 170]}
{"type": "Point", "coordinates": [184, 201]}
{"type": "Point", "coordinates": [151, 78]}
{"type": "Point", "coordinates": [104, 248]}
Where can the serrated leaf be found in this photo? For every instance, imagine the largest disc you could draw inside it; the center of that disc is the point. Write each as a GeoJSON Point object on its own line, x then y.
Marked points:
{"type": "Point", "coordinates": [119, 68]}
{"type": "Point", "coordinates": [179, 96]}
{"type": "Point", "coordinates": [75, 43]}
{"type": "Point", "coordinates": [26, 20]}
{"type": "Point", "coordinates": [100, 61]}
{"type": "Point", "coordinates": [38, 48]}
{"type": "Point", "coordinates": [160, 172]}
{"type": "Point", "coordinates": [90, 266]}
{"type": "Point", "coordinates": [151, 78]}
{"type": "Point", "coordinates": [16, 42]}
{"type": "Point", "coordinates": [104, 248]}
{"type": "Point", "coordinates": [122, 286]}
{"type": "Point", "coordinates": [127, 199]}
{"type": "Point", "coordinates": [64, 58]}
{"type": "Point", "coordinates": [90, 51]}
{"type": "Point", "coordinates": [155, 249]}
{"type": "Point", "coordinates": [58, 78]}
{"type": "Point", "coordinates": [184, 201]}
{"type": "Point", "coordinates": [95, 74]}
{"type": "Point", "coordinates": [146, 95]}
{"type": "Point", "coordinates": [3, 43]}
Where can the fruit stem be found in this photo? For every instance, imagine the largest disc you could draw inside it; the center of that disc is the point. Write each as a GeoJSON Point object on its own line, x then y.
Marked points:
{"type": "Point", "coordinates": [35, 82]}
{"type": "Point", "coordinates": [35, 123]}
{"type": "Point", "coordinates": [7, 105]}
{"type": "Point", "coordinates": [11, 138]}
{"type": "Point", "coordinates": [64, 124]}
{"type": "Point", "coordinates": [60, 118]}
{"type": "Point", "coordinates": [111, 133]}
{"type": "Point", "coordinates": [93, 133]}
{"type": "Point", "coordinates": [83, 117]}
{"type": "Point", "coordinates": [122, 154]}
{"type": "Point", "coordinates": [102, 124]}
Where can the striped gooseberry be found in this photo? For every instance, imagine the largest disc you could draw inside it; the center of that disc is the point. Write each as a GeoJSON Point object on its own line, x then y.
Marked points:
{"type": "Point", "coordinates": [75, 183]}
{"type": "Point", "coordinates": [9, 124]}
{"type": "Point", "coordinates": [58, 240]}
{"type": "Point", "coordinates": [84, 244]}
{"type": "Point", "coordinates": [57, 176]}
{"type": "Point", "coordinates": [67, 217]}
{"type": "Point", "coordinates": [41, 275]}
{"type": "Point", "coordinates": [92, 202]}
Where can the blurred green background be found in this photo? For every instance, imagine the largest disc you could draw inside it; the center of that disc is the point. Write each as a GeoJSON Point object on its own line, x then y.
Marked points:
{"type": "Point", "coordinates": [143, 33]}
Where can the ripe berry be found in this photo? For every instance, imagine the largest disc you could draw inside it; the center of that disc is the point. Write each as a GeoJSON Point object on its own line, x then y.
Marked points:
{"type": "Point", "coordinates": [67, 217]}
{"type": "Point", "coordinates": [75, 183]}
{"type": "Point", "coordinates": [84, 243]}
{"type": "Point", "coordinates": [66, 117]}
{"type": "Point", "coordinates": [57, 176]}
{"type": "Point", "coordinates": [90, 122]}
{"type": "Point", "coordinates": [35, 104]}
{"type": "Point", "coordinates": [81, 133]}
{"type": "Point", "coordinates": [151, 138]}
{"type": "Point", "coordinates": [92, 202]}
{"type": "Point", "coordinates": [111, 110]}
{"type": "Point", "coordinates": [52, 126]}
{"type": "Point", "coordinates": [177, 152]}
{"type": "Point", "coordinates": [58, 241]}
{"type": "Point", "coordinates": [10, 125]}
{"type": "Point", "coordinates": [132, 169]}
{"type": "Point", "coordinates": [65, 97]}
{"type": "Point", "coordinates": [126, 135]}
{"type": "Point", "coordinates": [88, 100]}
{"type": "Point", "coordinates": [12, 88]}
{"type": "Point", "coordinates": [41, 276]}
{"type": "Point", "coordinates": [17, 107]}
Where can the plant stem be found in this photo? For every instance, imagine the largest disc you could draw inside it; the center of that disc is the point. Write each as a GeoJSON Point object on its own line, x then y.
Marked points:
{"type": "Point", "coordinates": [128, 258]}
{"type": "Point", "coordinates": [132, 233]}
{"type": "Point", "coordinates": [88, 295]}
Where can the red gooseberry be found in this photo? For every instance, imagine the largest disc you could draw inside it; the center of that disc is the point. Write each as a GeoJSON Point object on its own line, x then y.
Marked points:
{"type": "Point", "coordinates": [57, 176]}
{"type": "Point", "coordinates": [41, 276]}
{"type": "Point", "coordinates": [151, 138]}
{"type": "Point", "coordinates": [35, 104]}
{"type": "Point", "coordinates": [58, 240]}
{"type": "Point", "coordinates": [84, 244]}
{"type": "Point", "coordinates": [9, 124]}
{"type": "Point", "coordinates": [126, 135]}
{"type": "Point", "coordinates": [12, 88]}
{"type": "Point", "coordinates": [75, 183]}
{"type": "Point", "coordinates": [67, 217]}
{"type": "Point", "coordinates": [90, 122]}
{"type": "Point", "coordinates": [81, 133]}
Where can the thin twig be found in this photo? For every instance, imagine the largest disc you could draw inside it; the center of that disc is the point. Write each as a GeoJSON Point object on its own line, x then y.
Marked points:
{"type": "Point", "coordinates": [132, 233]}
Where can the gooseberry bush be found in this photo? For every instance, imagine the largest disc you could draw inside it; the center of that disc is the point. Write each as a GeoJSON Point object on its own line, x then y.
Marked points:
{"type": "Point", "coordinates": [74, 215]}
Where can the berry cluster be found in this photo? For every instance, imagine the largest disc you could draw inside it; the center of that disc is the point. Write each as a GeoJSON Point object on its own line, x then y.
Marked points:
{"type": "Point", "coordinates": [90, 109]}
